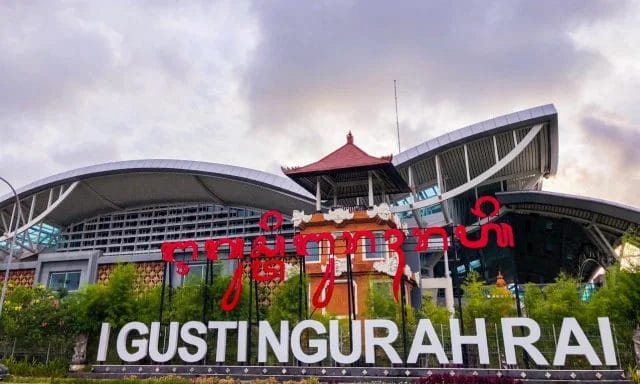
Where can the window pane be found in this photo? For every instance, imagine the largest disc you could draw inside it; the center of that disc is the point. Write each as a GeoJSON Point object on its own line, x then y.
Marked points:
{"type": "Point", "coordinates": [380, 247]}
{"type": "Point", "coordinates": [313, 252]}
{"type": "Point", "coordinates": [72, 281]}
{"type": "Point", "coordinates": [65, 280]}
{"type": "Point", "coordinates": [195, 276]}
{"type": "Point", "coordinates": [56, 280]}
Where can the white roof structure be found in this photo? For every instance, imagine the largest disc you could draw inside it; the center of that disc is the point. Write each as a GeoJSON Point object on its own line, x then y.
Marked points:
{"type": "Point", "coordinates": [604, 221]}
{"type": "Point", "coordinates": [70, 196]}
{"type": "Point", "coordinates": [517, 151]}
{"type": "Point", "coordinates": [514, 153]}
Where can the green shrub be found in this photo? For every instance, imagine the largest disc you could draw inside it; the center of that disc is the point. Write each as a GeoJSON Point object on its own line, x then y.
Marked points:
{"type": "Point", "coordinates": [53, 368]}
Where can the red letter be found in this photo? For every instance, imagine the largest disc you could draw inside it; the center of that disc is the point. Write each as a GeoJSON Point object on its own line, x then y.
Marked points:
{"type": "Point", "coordinates": [229, 303]}
{"type": "Point", "coordinates": [327, 279]}
{"type": "Point", "coordinates": [396, 247]}
{"type": "Point", "coordinates": [423, 238]}
{"type": "Point", "coordinates": [168, 248]}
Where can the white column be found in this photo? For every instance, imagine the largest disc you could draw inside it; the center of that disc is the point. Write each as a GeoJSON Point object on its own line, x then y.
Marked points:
{"type": "Point", "coordinates": [318, 198]}
{"type": "Point", "coordinates": [370, 189]}
{"type": "Point", "coordinates": [448, 291]}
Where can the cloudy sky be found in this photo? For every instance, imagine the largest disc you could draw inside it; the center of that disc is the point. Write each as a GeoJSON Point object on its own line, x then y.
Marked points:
{"type": "Point", "coordinates": [264, 84]}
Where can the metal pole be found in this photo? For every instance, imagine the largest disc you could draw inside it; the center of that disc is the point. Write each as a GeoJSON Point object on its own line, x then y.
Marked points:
{"type": "Point", "coordinates": [170, 269]}
{"type": "Point", "coordinates": [164, 283]}
{"type": "Point", "coordinates": [300, 283]}
{"type": "Point", "coordinates": [349, 300]}
{"type": "Point", "coordinates": [498, 346]}
{"type": "Point", "coordinates": [395, 95]}
{"type": "Point", "coordinates": [404, 319]}
{"type": "Point", "coordinates": [305, 296]}
{"type": "Point", "coordinates": [12, 246]}
{"type": "Point", "coordinates": [205, 291]}
{"type": "Point", "coordinates": [250, 315]}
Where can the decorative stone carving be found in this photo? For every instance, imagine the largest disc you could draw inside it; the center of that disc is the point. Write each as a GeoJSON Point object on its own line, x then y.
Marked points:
{"type": "Point", "coordinates": [384, 213]}
{"type": "Point", "coordinates": [338, 215]}
{"type": "Point", "coordinates": [299, 217]}
{"type": "Point", "coordinates": [389, 266]}
{"type": "Point", "coordinates": [79, 358]}
{"type": "Point", "coordinates": [340, 265]}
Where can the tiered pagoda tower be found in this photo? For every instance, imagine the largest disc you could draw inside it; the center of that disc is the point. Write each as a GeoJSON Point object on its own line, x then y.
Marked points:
{"type": "Point", "coordinates": [351, 189]}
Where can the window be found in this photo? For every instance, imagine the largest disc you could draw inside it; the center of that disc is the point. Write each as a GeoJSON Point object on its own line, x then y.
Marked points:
{"type": "Point", "coordinates": [196, 274]}
{"type": "Point", "coordinates": [381, 247]}
{"type": "Point", "coordinates": [313, 252]}
{"type": "Point", "coordinates": [69, 280]}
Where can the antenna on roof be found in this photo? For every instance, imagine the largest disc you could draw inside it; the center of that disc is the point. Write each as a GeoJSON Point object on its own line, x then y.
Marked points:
{"type": "Point", "coordinates": [395, 93]}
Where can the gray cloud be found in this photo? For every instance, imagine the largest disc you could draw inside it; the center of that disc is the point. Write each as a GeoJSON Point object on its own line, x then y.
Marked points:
{"type": "Point", "coordinates": [83, 83]}
{"type": "Point", "coordinates": [614, 140]}
{"type": "Point", "coordinates": [48, 55]}
{"type": "Point", "coordinates": [280, 83]}
{"type": "Point", "coordinates": [341, 58]}
{"type": "Point", "coordinates": [604, 162]}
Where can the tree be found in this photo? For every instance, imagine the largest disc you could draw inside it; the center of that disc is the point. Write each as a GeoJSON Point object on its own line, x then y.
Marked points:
{"type": "Point", "coordinates": [480, 301]}
{"type": "Point", "coordinates": [560, 299]}
{"type": "Point", "coordinates": [113, 302]}
{"type": "Point", "coordinates": [35, 316]}
{"type": "Point", "coordinates": [432, 311]}
{"type": "Point", "coordinates": [285, 303]}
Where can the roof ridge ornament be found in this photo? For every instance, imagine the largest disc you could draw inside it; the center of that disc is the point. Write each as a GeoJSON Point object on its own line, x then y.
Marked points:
{"type": "Point", "coordinates": [349, 138]}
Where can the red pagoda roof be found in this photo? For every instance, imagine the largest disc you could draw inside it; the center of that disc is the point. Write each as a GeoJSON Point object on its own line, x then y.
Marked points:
{"type": "Point", "coordinates": [346, 173]}
{"type": "Point", "coordinates": [348, 156]}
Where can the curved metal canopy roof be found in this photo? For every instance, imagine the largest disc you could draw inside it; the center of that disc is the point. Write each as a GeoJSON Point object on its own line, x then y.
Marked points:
{"type": "Point", "coordinates": [608, 216]}
{"type": "Point", "coordinates": [518, 149]}
{"type": "Point", "coordinates": [71, 196]}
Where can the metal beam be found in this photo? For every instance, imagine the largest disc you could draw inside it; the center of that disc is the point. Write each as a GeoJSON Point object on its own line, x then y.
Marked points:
{"type": "Point", "coordinates": [517, 150]}
{"type": "Point", "coordinates": [33, 206]}
{"type": "Point", "coordinates": [466, 163]}
{"type": "Point", "coordinates": [412, 184]}
{"type": "Point", "coordinates": [23, 246]}
{"type": "Point", "coordinates": [606, 243]}
{"type": "Point", "coordinates": [596, 241]}
{"type": "Point", "coordinates": [215, 197]}
{"type": "Point", "coordinates": [42, 214]}
{"type": "Point", "coordinates": [438, 175]}
{"type": "Point", "coordinates": [4, 222]}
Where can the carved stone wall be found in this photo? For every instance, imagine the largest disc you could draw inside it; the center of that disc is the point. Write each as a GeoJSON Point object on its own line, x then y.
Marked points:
{"type": "Point", "coordinates": [20, 277]}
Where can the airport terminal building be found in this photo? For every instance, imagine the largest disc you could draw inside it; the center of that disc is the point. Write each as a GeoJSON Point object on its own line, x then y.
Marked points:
{"type": "Point", "coordinates": [73, 227]}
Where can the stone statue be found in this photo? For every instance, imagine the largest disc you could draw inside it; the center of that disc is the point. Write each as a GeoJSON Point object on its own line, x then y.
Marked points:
{"type": "Point", "coordinates": [636, 343]}
{"type": "Point", "coordinates": [79, 358]}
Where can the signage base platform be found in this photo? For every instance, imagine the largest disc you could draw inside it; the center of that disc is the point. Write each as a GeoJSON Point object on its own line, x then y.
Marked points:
{"type": "Point", "coordinates": [357, 374]}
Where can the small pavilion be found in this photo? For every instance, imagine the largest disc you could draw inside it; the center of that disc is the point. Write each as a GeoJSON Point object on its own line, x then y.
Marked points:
{"type": "Point", "coordinates": [348, 175]}
{"type": "Point", "coordinates": [359, 186]}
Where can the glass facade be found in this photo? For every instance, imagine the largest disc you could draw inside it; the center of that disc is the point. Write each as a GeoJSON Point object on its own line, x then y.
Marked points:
{"type": "Point", "coordinates": [143, 230]}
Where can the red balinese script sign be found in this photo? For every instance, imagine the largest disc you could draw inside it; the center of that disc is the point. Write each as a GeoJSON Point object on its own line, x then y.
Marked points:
{"type": "Point", "coordinates": [267, 252]}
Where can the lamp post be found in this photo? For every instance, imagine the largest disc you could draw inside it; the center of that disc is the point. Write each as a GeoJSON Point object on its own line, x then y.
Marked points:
{"type": "Point", "coordinates": [15, 214]}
